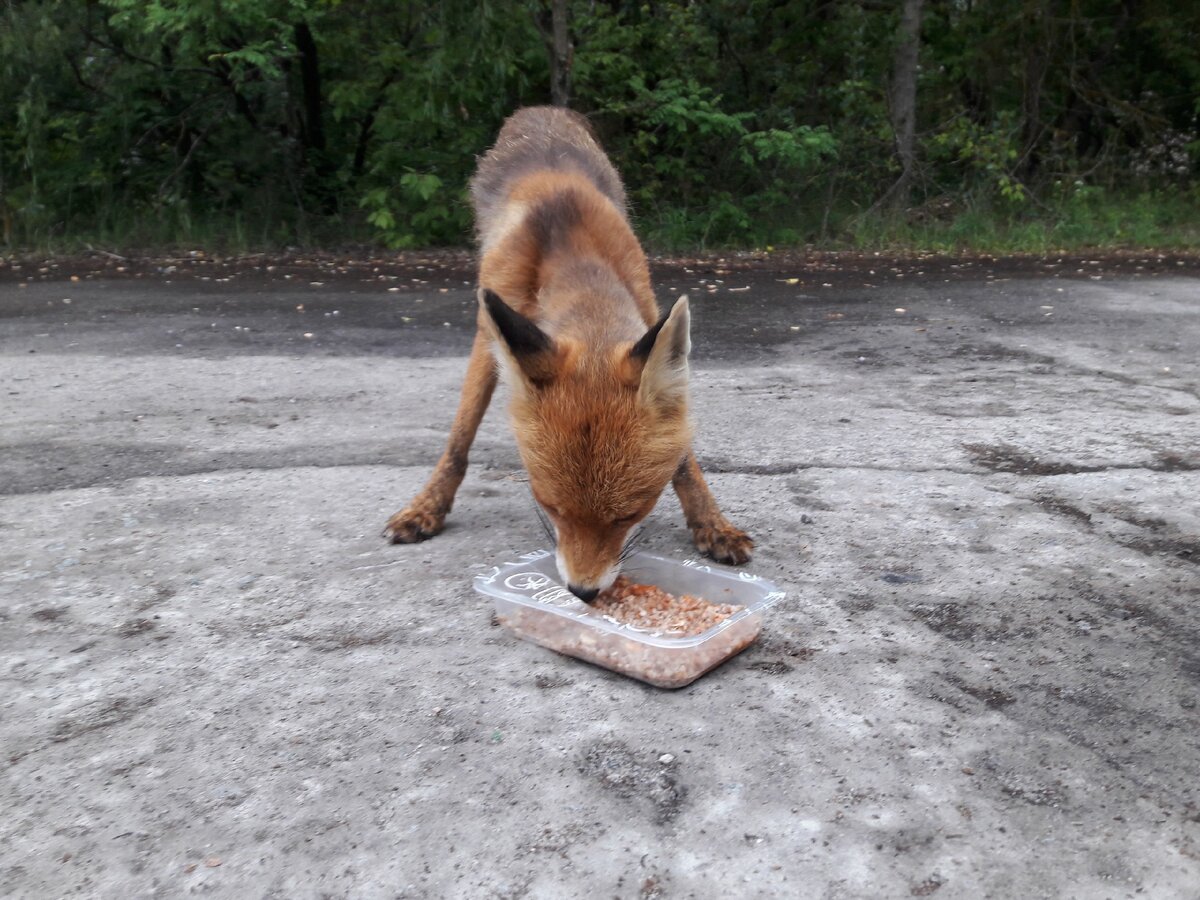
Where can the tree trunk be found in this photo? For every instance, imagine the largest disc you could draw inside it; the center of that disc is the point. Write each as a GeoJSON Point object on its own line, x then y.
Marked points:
{"type": "Point", "coordinates": [561, 54]}
{"type": "Point", "coordinates": [315, 159]}
{"type": "Point", "coordinates": [5, 217]}
{"type": "Point", "coordinates": [1037, 61]}
{"type": "Point", "coordinates": [367, 124]}
{"type": "Point", "coordinates": [310, 81]}
{"type": "Point", "coordinates": [903, 99]}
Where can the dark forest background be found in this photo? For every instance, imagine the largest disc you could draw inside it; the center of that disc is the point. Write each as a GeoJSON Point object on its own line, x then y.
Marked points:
{"type": "Point", "coordinates": [989, 124]}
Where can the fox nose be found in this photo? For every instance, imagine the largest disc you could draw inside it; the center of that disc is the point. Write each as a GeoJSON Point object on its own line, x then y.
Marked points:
{"type": "Point", "coordinates": [587, 595]}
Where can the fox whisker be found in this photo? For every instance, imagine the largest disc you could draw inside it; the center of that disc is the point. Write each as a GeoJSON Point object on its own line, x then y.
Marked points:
{"type": "Point", "coordinates": [544, 520]}
{"type": "Point", "coordinates": [631, 543]}
{"type": "Point", "coordinates": [636, 536]}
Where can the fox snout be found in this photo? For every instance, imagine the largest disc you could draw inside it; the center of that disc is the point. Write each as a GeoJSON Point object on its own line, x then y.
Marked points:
{"type": "Point", "coordinates": [588, 567]}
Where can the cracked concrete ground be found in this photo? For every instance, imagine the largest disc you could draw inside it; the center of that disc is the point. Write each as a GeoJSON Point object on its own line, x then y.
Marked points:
{"type": "Point", "coordinates": [219, 680]}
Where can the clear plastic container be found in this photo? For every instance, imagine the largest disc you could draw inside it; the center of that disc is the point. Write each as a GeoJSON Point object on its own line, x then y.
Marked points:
{"type": "Point", "coordinates": [531, 601]}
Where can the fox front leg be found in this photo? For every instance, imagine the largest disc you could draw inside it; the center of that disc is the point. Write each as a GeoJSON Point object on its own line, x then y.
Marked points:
{"type": "Point", "coordinates": [426, 514]}
{"type": "Point", "coordinates": [712, 533]}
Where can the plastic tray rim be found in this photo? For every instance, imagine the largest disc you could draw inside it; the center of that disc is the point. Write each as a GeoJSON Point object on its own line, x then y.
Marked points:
{"type": "Point", "coordinates": [544, 592]}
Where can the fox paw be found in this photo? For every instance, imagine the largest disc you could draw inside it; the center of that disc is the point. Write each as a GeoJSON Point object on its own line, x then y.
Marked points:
{"type": "Point", "coordinates": [724, 543]}
{"type": "Point", "coordinates": [413, 524]}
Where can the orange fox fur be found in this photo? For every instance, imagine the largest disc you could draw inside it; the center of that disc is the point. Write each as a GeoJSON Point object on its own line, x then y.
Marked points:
{"type": "Point", "coordinates": [598, 381]}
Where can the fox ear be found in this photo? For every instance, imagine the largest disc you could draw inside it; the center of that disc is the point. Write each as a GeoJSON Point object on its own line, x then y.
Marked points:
{"type": "Point", "coordinates": [521, 344]}
{"type": "Point", "coordinates": [663, 352]}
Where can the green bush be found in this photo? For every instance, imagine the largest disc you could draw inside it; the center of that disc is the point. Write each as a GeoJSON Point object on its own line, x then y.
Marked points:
{"type": "Point", "coordinates": [254, 123]}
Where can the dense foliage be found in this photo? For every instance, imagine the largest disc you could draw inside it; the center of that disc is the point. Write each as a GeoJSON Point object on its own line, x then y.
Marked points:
{"type": "Point", "coordinates": [269, 122]}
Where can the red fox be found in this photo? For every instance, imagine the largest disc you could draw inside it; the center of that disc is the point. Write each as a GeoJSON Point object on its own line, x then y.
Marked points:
{"type": "Point", "coordinates": [599, 382]}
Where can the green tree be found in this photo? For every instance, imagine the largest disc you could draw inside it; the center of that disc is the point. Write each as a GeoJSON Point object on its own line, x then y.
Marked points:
{"type": "Point", "coordinates": [267, 122]}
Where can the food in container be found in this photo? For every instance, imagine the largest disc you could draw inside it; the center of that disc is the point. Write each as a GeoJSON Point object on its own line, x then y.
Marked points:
{"type": "Point", "coordinates": [531, 602]}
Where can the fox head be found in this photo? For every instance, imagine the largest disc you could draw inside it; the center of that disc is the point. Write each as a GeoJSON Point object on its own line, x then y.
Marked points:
{"type": "Point", "coordinates": [601, 430]}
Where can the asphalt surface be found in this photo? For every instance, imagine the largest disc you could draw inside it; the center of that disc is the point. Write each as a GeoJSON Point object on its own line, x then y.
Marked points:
{"type": "Point", "coordinates": [981, 493]}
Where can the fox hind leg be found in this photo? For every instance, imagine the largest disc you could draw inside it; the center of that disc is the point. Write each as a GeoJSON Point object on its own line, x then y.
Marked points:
{"type": "Point", "coordinates": [713, 534]}
{"type": "Point", "coordinates": [425, 515]}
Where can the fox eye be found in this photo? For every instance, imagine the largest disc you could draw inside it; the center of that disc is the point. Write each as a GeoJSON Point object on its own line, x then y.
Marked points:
{"type": "Point", "coordinates": [627, 520]}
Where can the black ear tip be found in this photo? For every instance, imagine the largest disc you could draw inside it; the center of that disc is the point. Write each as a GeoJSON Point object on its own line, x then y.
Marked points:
{"type": "Point", "coordinates": [492, 300]}
{"type": "Point", "coordinates": [522, 335]}
{"type": "Point", "coordinates": [643, 347]}
{"type": "Point", "coordinates": [495, 305]}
